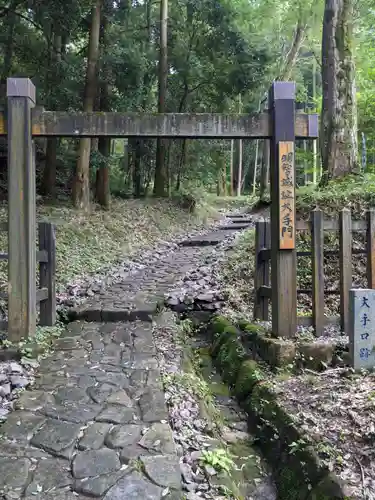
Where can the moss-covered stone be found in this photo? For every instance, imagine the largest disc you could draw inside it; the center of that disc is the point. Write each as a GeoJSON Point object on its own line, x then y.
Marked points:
{"type": "Point", "coordinates": [277, 352]}
{"type": "Point", "coordinates": [225, 336]}
{"type": "Point", "coordinates": [316, 356]}
{"type": "Point", "coordinates": [329, 488]}
{"type": "Point", "coordinates": [219, 324]}
{"type": "Point", "coordinates": [230, 357]}
{"type": "Point", "coordinates": [251, 328]}
{"type": "Point", "coordinates": [249, 375]}
{"type": "Point", "coordinates": [297, 470]}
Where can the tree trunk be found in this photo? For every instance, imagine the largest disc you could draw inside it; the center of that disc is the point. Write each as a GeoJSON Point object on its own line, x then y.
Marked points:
{"type": "Point", "coordinates": [231, 191]}
{"type": "Point", "coordinates": [9, 49]}
{"type": "Point", "coordinates": [291, 58]}
{"type": "Point", "coordinates": [265, 171]}
{"type": "Point", "coordinates": [240, 161]}
{"type": "Point", "coordinates": [81, 188]}
{"type": "Point", "coordinates": [339, 143]}
{"type": "Point", "coordinates": [102, 191]}
{"type": "Point", "coordinates": [102, 188]}
{"type": "Point", "coordinates": [314, 142]}
{"type": "Point", "coordinates": [160, 181]}
{"type": "Point", "coordinates": [49, 173]}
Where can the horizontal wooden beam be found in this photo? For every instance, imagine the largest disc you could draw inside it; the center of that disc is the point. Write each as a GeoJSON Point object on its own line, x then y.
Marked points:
{"type": "Point", "coordinates": [41, 256]}
{"type": "Point", "coordinates": [179, 125]}
{"type": "Point", "coordinates": [308, 320]}
{"type": "Point", "coordinates": [331, 225]}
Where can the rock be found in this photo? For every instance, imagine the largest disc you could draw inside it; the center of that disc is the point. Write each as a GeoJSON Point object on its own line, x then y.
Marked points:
{"type": "Point", "coordinates": [159, 439]}
{"type": "Point", "coordinates": [92, 463]}
{"type": "Point", "coordinates": [152, 406]}
{"type": "Point", "coordinates": [15, 368]}
{"type": "Point", "coordinates": [172, 301]}
{"type": "Point", "coordinates": [71, 395]}
{"type": "Point", "coordinates": [3, 414]}
{"type": "Point", "coordinates": [14, 473]}
{"type": "Point", "coordinates": [123, 436]}
{"type": "Point", "coordinates": [193, 496]}
{"type": "Point", "coordinates": [134, 486]}
{"type": "Point", "coordinates": [33, 400]}
{"type": "Point", "coordinates": [21, 425]}
{"type": "Point", "coordinates": [5, 390]}
{"type": "Point", "coordinates": [19, 381]}
{"type": "Point", "coordinates": [116, 414]}
{"type": "Point", "coordinates": [163, 470]}
{"type": "Point", "coordinates": [57, 437]}
{"type": "Point", "coordinates": [101, 393]}
{"type": "Point", "coordinates": [97, 486]}
{"type": "Point", "coordinates": [233, 436]}
{"type": "Point", "coordinates": [50, 473]}
{"type": "Point", "coordinates": [196, 455]}
{"type": "Point", "coordinates": [94, 436]}
{"type": "Point", "coordinates": [75, 413]}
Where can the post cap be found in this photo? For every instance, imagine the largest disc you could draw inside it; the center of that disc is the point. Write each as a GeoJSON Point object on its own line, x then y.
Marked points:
{"type": "Point", "coordinates": [282, 90]}
{"type": "Point", "coordinates": [21, 87]}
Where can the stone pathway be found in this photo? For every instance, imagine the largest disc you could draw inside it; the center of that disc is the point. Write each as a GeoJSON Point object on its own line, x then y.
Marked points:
{"type": "Point", "coordinates": [95, 422]}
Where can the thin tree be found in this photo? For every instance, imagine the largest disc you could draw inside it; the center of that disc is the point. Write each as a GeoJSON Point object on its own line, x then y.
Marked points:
{"type": "Point", "coordinates": [102, 188]}
{"type": "Point", "coordinates": [160, 180]}
{"type": "Point", "coordinates": [81, 187]}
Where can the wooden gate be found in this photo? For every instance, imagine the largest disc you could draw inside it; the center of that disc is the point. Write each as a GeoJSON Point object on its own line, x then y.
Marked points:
{"type": "Point", "coordinates": [24, 122]}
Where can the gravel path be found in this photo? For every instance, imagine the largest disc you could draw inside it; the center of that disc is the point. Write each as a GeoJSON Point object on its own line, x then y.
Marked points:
{"type": "Point", "coordinates": [91, 420]}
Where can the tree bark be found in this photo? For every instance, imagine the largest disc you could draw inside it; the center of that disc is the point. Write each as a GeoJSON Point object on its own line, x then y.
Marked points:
{"type": "Point", "coordinates": [9, 49]}
{"type": "Point", "coordinates": [49, 173]}
{"type": "Point", "coordinates": [291, 58]}
{"type": "Point", "coordinates": [231, 191]}
{"type": "Point", "coordinates": [265, 170]}
{"type": "Point", "coordinates": [338, 141]}
{"type": "Point", "coordinates": [102, 188]}
{"type": "Point", "coordinates": [160, 181]}
{"type": "Point", "coordinates": [240, 161]}
{"type": "Point", "coordinates": [81, 188]}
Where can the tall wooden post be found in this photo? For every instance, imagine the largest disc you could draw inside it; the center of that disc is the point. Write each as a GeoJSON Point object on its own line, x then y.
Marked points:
{"type": "Point", "coordinates": [21, 210]}
{"type": "Point", "coordinates": [283, 210]}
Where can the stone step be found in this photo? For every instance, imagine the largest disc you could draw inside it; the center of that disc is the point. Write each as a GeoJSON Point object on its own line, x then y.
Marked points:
{"type": "Point", "coordinates": [111, 313]}
{"type": "Point", "coordinates": [203, 241]}
{"type": "Point", "coordinates": [242, 220]}
{"type": "Point", "coordinates": [236, 226]}
{"type": "Point", "coordinates": [237, 215]}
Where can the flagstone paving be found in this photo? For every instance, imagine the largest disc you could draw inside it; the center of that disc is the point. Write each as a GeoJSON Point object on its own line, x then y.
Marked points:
{"type": "Point", "coordinates": [95, 422]}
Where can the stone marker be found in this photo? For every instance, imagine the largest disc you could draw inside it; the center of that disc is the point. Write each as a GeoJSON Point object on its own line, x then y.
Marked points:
{"type": "Point", "coordinates": [362, 328]}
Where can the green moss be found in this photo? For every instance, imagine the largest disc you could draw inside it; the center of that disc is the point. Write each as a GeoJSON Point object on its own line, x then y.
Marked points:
{"type": "Point", "coordinates": [219, 324]}
{"type": "Point", "coordinates": [230, 357]}
{"type": "Point", "coordinates": [249, 375]}
{"type": "Point", "coordinates": [223, 337]}
{"type": "Point", "coordinates": [252, 329]}
{"type": "Point", "coordinates": [290, 485]}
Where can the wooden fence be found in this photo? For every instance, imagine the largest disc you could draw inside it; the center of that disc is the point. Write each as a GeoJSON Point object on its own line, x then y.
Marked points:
{"type": "Point", "coordinates": [316, 226]}
{"type": "Point", "coordinates": [43, 295]}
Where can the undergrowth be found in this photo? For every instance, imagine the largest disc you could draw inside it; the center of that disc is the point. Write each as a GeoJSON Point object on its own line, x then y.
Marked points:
{"type": "Point", "coordinates": [86, 244]}
{"type": "Point", "coordinates": [356, 192]}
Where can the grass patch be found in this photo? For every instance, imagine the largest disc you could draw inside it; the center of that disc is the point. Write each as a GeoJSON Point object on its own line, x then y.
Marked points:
{"type": "Point", "coordinates": [88, 243]}
{"type": "Point", "coordinates": [356, 192]}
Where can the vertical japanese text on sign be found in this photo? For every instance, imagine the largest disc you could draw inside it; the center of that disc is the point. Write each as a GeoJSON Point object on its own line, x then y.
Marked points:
{"type": "Point", "coordinates": [286, 196]}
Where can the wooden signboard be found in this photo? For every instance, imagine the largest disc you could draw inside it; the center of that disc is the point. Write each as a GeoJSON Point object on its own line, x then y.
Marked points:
{"type": "Point", "coordinates": [287, 210]}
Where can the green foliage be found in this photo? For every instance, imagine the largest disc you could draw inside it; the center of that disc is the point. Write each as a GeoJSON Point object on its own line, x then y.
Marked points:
{"type": "Point", "coordinates": [356, 192]}
{"type": "Point", "coordinates": [220, 459]}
